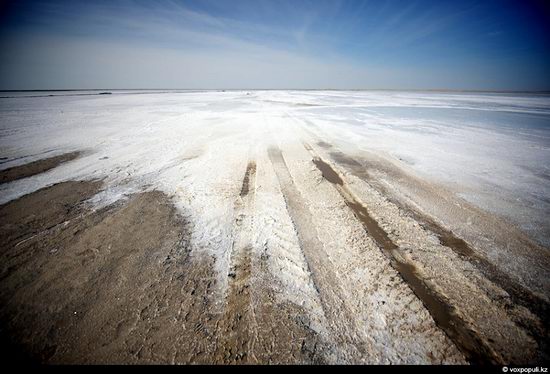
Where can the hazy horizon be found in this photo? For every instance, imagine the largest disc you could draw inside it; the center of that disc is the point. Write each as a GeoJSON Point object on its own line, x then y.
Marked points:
{"type": "Point", "coordinates": [435, 90]}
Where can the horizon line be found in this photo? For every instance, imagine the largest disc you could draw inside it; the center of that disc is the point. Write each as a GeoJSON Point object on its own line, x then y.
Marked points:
{"type": "Point", "coordinates": [275, 89]}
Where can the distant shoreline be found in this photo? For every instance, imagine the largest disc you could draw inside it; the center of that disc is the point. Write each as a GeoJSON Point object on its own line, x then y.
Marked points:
{"type": "Point", "coordinates": [279, 89]}
{"type": "Point", "coordinates": [145, 91]}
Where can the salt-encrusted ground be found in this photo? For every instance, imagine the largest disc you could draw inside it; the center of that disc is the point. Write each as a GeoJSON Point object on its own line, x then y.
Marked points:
{"type": "Point", "coordinates": [353, 227]}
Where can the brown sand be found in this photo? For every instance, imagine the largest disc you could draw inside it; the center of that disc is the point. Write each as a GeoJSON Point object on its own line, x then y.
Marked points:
{"type": "Point", "coordinates": [120, 285]}
{"type": "Point", "coordinates": [35, 167]}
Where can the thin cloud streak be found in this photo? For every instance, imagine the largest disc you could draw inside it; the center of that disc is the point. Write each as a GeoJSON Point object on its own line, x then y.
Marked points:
{"type": "Point", "coordinates": [319, 44]}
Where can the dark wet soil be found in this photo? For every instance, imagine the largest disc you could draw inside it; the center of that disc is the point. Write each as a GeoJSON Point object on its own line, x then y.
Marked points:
{"type": "Point", "coordinates": [324, 145]}
{"type": "Point", "coordinates": [248, 176]}
{"type": "Point", "coordinates": [371, 226]}
{"type": "Point", "coordinates": [341, 158]}
{"type": "Point", "coordinates": [328, 173]}
{"type": "Point", "coordinates": [36, 167]}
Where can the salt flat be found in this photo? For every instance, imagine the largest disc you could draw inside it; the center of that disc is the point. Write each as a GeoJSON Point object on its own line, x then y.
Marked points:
{"type": "Point", "coordinates": [378, 226]}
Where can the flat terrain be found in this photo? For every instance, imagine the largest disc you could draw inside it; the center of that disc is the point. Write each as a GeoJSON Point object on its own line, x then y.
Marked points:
{"type": "Point", "coordinates": [274, 227]}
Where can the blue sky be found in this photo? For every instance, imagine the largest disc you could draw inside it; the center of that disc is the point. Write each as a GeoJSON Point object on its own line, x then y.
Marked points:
{"type": "Point", "coordinates": [492, 45]}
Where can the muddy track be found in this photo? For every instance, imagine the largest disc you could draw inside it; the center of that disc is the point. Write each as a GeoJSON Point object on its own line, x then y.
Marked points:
{"type": "Point", "coordinates": [326, 281]}
{"type": "Point", "coordinates": [468, 276]}
{"type": "Point", "coordinates": [489, 239]}
{"type": "Point", "coordinates": [442, 313]}
{"type": "Point", "coordinates": [341, 322]}
{"type": "Point", "coordinates": [237, 324]}
{"type": "Point", "coordinates": [518, 293]}
{"type": "Point", "coordinates": [254, 327]}
{"type": "Point", "coordinates": [248, 177]}
{"type": "Point", "coordinates": [230, 241]}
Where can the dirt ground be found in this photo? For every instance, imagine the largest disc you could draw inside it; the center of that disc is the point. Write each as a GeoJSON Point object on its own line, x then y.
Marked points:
{"type": "Point", "coordinates": [118, 285]}
{"type": "Point", "coordinates": [320, 268]}
{"type": "Point", "coordinates": [36, 167]}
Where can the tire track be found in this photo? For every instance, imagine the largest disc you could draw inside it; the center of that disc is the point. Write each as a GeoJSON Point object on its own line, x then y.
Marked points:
{"type": "Point", "coordinates": [283, 275]}
{"type": "Point", "coordinates": [466, 339]}
{"type": "Point", "coordinates": [392, 320]}
{"type": "Point", "coordinates": [249, 175]}
{"type": "Point", "coordinates": [238, 325]}
{"type": "Point", "coordinates": [254, 327]}
{"type": "Point", "coordinates": [519, 294]}
{"type": "Point", "coordinates": [341, 324]}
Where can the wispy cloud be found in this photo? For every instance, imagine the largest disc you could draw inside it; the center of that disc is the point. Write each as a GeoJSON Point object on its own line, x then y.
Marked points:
{"type": "Point", "coordinates": [245, 43]}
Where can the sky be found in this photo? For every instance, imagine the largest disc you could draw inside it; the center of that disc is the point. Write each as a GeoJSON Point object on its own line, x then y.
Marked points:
{"type": "Point", "coordinates": [275, 44]}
